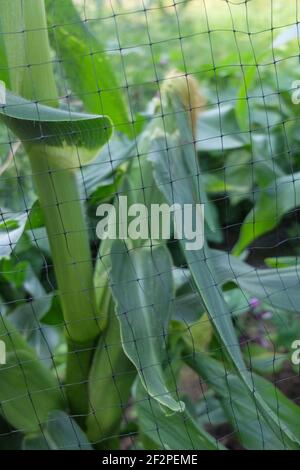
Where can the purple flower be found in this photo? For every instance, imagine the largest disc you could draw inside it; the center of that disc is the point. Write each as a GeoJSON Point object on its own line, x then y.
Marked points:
{"type": "Point", "coordinates": [254, 303]}
{"type": "Point", "coordinates": [266, 315]}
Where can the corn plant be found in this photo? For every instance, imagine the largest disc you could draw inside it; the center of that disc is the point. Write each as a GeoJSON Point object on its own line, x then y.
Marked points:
{"type": "Point", "coordinates": [134, 315]}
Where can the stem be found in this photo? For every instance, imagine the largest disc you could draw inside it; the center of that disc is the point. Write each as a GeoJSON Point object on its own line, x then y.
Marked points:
{"type": "Point", "coordinates": [24, 25]}
{"type": "Point", "coordinates": [29, 58]}
{"type": "Point", "coordinates": [78, 364]}
{"type": "Point", "coordinates": [68, 237]}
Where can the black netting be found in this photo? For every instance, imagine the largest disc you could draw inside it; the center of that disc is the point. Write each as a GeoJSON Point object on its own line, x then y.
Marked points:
{"type": "Point", "coordinates": [149, 238]}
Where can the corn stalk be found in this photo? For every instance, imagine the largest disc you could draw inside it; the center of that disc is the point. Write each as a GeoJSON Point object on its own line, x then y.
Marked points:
{"type": "Point", "coordinates": [31, 75]}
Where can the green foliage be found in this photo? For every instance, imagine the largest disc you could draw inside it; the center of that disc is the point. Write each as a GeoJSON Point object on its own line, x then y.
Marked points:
{"type": "Point", "coordinates": [162, 430]}
{"type": "Point", "coordinates": [278, 288]}
{"type": "Point", "coordinates": [250, 425]}
{"type": "Point", "coordinates": [60, 432]}
{"type": "Point", "coordinates": [142, 288]}
{"type": "Point", "coordinates": [66, 139]}
{"type": "Point", "coordinates": [29, 391]}
{"type": "Point", "coordinates": [11, 229]}
{"type": "Point", "coordinates": [183, 189]}
{"type": "Point", "coordinates": [86, 64]}
{"type": "Point", "coordinates": [273, 202]}
{"type": "Point", "coordinates": [98, 338]}
{"type": "Point", "coordinates": [27, 45]}
{"type": "Point", "coordinates": [110, 380]}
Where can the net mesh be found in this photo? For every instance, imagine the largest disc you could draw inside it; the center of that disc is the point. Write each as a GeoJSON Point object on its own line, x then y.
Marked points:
{"type": "Point", "coordinates": [145, 344]}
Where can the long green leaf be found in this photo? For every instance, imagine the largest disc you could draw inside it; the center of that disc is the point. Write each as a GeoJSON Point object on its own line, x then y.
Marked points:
{"type": "Point", "coordinates": [244, 416]}
{"type": "Point", "coordinates": [179, 183]}
{"type": "Point", "coordinates": [142, 286]}
{"type": "Point", "coordinates": [28, 392]}
{"type": "Point", "coordinates": [243, 102]}
{"type": "Point", "coordinates": [86, 64]}
{"type": "Point", "coordinates": [273, 203]}
{"type": "Point", "coordinates": [69, 139]}
{"type": "Point", "coordinates": [178, 431]}
{"type": "Point", "coordinates": [276, 287]}
{"type": "Point", "coordinates": [217, 130]}
{"type": "Point", "coordinates": [110, 381]}
{"type": "Point", "coordinates": [60, 433]}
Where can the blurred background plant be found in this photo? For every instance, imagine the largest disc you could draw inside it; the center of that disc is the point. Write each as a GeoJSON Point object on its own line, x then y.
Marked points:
{"type": "Point", "coordinates": [114, 58]}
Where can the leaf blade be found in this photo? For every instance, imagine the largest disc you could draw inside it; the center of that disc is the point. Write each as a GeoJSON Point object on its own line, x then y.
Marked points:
{"type": "Point", "coordinates": [143, 289]}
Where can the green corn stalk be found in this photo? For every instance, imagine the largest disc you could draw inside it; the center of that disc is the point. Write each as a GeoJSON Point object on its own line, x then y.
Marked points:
{"type": "Point", "coordinates": [32, 76]}
{"type": "Point", "coordinates": [59, 198]}
{"type": "Point", "coordinates": [29, 59]}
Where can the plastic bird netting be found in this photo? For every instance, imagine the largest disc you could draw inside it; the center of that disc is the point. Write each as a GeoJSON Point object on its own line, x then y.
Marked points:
{"type": "Point", "coordinates": [149, 232]}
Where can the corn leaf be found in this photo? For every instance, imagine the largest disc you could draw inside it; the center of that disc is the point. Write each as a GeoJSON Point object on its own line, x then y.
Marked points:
{"type": "Point", "coordinates": [12, 226]}
{"type": "Point", "coordinates": [179, 184]}
{"type": "Point", "coordinates": [247, 421]}
{"type": "Point", "coordinates": [79, 135]}
{"type": "Point", "coordinates": [101, 171]}
{"type": "Point", "coordinates": [276, 287]}
{"type": "Point", "coordinates": [111, 370]}
{"type": "Point", "coordinates": [61, 432]}
{"type": "Point", "coordinates": [86, 64]}
{"type": "Point", "coordinates": [217, 130]}
{"type": "Point", "coordinates": [178, 431]}
{"type": "Point", "coordinates": [142, 287]}
{"type": "Point", "coordinates": [272, 204]}
{"type": "Point", "coordinates": [243, 102]}
{"type": "Point", "coordinates": [12, 338]}
{"type": "Point", "coordinates": [28, 391]}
